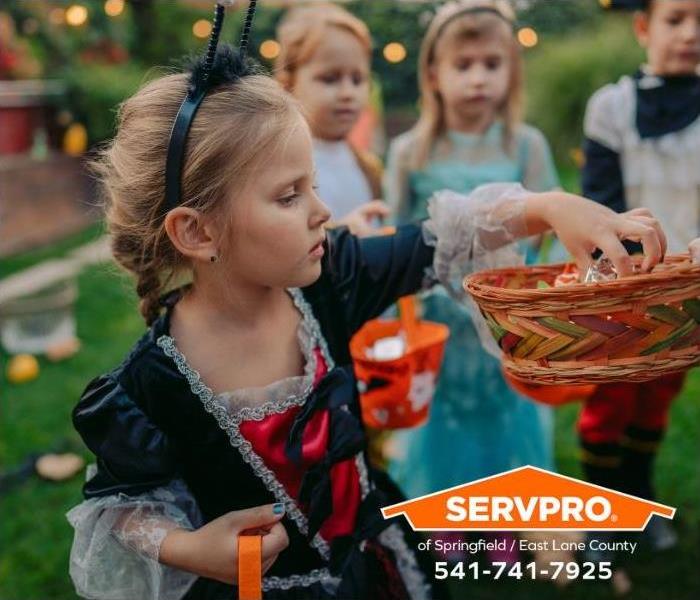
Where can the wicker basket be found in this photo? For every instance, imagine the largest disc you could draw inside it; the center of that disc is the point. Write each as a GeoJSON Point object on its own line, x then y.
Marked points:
{"type": "Point", "coordinates": [631, 329]}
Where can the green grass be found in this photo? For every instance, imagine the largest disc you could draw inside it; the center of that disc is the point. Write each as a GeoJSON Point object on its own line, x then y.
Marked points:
{"type": "Point", "coordinates": [35, 537]}
{"type": "Point", "coordinates": [12, 264]}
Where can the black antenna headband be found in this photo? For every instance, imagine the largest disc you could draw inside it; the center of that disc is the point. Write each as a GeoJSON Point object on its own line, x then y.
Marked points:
{"type": "Point", "coordinates": [200, 84]}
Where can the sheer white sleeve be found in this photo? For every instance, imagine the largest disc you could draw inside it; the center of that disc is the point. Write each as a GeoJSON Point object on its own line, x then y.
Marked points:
{"type": "Point", "coordinates": [472, 233]}
{"type": "Point", "coordinates": [117, 542]}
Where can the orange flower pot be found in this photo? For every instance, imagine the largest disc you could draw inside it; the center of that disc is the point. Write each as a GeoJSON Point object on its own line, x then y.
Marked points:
{"type": "Point", "coordinates": [397, 393]}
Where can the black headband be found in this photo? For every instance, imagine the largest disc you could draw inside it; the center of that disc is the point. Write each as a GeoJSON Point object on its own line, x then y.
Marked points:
{"type": "Point", "coordinates": [201, 81]}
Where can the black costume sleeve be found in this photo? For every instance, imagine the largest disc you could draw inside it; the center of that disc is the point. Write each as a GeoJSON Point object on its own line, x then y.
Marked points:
{"type": "Point", "coordinates": [133, 455]}
{"type": "Point", "coordinates": [370, 274]}
{"type": "Point", "coordinates": [602, 176]}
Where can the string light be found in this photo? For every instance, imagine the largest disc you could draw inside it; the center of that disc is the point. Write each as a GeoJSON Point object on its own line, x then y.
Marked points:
{"type": "Point", "coordinates": [201, 28]}
{"type": "Point", "coordinates": [394, 52]}
{"type": "Point", "coordinates": [269, 49]}
{"type": "Point", "coordinates": [76, 15]}
{"type": "Point", "coordinates": [114, 8]}
{"type": "Point", "coordinates": [528, 37]}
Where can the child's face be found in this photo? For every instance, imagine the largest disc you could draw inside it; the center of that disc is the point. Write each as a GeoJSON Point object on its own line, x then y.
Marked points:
{"type": "Point", "coordinates": [671, 35]}
{"type": "Point", "coordinates": [472, 77]}
{"type": "Point", "coordinates": [333, 86]}
{"type": "Point", "coordinates": [278, 222]}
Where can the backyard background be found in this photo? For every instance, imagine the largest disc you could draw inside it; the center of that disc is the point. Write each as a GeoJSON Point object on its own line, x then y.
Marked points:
{"type": "Point", "coordinates": [65, 66]}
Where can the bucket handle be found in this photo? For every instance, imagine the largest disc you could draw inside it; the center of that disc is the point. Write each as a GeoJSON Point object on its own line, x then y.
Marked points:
{"type": "Point", "coordinates": [408, 319]}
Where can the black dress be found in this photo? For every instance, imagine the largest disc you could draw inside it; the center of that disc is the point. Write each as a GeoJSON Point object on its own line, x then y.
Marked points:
{"type": "Point", "coordinates": [152, 420]}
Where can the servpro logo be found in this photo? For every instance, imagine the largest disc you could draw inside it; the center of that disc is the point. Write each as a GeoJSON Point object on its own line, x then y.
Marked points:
{"type": "Point", "coordinates": [528, 498]}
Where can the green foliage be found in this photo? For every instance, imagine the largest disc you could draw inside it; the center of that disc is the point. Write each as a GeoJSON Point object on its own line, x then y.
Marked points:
{"type": "Point", "coordinates": [95, 91]}
{"type": "Point", "coordinates": [556, 16]}
{"type": "Point", "coordinates": [565, 71]}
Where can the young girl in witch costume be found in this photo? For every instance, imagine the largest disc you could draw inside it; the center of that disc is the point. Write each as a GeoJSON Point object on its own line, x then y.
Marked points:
{"type": "Point", "coordinates": [241, 392]}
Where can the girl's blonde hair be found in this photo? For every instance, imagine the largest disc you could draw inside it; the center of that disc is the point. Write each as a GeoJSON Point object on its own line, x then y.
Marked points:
{"type": "Point", "coordinates": [235, 127]}
{"type": "Point", "coordinates": [303, 28]}
{"type": "Point", "coordinates": [465, 20]}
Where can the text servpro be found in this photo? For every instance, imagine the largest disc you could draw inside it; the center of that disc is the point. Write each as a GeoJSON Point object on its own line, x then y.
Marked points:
{"type": "Point", "coordinates": [538, 509]}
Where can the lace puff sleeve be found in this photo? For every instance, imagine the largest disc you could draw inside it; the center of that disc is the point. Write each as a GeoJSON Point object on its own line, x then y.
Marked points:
{"type": "Point", "coordinates": [133, 499]}
{"type": "Point", "coordinates": [472, 233]}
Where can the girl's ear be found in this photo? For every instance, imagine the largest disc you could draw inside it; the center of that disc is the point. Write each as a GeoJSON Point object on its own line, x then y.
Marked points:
{"type": "Point", "coordinates": [432, 78]}
{"type": "Point", "coordinates": [191, 235]}
{"type": "Point", "coordinates": [641, 28]}
{"type": "Point", "coordinates": [284, 76]}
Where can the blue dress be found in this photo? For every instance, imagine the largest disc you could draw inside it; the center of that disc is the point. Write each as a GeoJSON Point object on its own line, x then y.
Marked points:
{"type": "Point", "coordinates": [478, 425]}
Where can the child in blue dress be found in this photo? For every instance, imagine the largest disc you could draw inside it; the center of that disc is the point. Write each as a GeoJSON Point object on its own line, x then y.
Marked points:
{"type": "Point", "coordinates": [468, 134]}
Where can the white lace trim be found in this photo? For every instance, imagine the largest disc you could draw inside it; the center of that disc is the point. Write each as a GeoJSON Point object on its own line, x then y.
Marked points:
{"type": "Point", "coordinates": [363, 473]}
{"type": "Point", "coordinates": [230, 422]}
{"type": "Point", "coordinates": [330, 582]}
{"type": "Point", "coordinates": [413, 577]}
{"type": "Point", "coordinates": [117, 542]}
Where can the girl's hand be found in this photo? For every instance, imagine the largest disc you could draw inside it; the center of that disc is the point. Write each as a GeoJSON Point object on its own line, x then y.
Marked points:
{"type": "Point", "coordinates": [359, 221]}
{"type": "Point", "coordinates": [212, 550]}
{"type": "Point", "coordinates": [583, 226]}
{"type": "Point", "coordinates": [694, 249]}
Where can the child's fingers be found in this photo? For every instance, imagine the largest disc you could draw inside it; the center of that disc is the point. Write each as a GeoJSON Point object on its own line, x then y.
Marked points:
{"type": "Point", "coordinates": [651, 221]}
{"type": "Point", "coordinates": [267, 563]}
{"type": "Point", "coordinates": [258, 516]}
{"type": "Point", "coordinates": [274, 542]}
{"type": "Point", "coordinates": [582, 258]}
{"type": "Point", "coordinates": [376, 208]}
{"type": "Point", "coordinates": [694, 249]}
{"type": "Point", "coordinates": [616, 252]}
{"type": "Point", "coordinates": [264, 530]}
{"type": "Point", "coordinates": [635, 230]}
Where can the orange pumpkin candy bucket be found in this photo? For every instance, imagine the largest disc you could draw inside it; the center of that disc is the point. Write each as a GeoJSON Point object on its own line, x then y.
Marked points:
{"type": "Point", "coordinates": [397, 392]}
{"type": "Point", "coordinates": [552, 395]}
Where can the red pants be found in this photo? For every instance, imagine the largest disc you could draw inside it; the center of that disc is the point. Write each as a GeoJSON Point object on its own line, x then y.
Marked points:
{"type": "Point", "coordinates": [616, 406]}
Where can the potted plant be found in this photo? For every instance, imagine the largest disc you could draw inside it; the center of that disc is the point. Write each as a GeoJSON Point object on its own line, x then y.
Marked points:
{"type": "Point", "coordinates": [23, 97]}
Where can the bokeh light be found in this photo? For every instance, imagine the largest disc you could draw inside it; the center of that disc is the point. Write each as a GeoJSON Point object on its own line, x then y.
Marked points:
{"type": "Point", "coordinates": [114, 8]}
{"type": "Point", "coordinates": [202, 28]}
{"type": "Point", "coordinates": [528, 37]}
{"type": "Point", "coordinates": [394, 52]}
{"type": "Point", "coordinates": [76, 15]}
{"type": "Point", "coordinates": [269, 49]}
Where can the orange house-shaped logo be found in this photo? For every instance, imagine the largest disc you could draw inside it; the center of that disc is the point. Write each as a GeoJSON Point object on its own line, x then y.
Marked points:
{"type": "Point", "coordinates": [525, 499]}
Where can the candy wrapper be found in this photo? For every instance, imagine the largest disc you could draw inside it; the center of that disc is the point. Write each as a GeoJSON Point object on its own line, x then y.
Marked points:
{"type": "Point", "coordinates": [600, 270]}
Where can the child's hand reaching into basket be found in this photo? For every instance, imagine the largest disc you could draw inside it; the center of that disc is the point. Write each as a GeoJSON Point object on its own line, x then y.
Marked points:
{"type": "Point", "coordinates": [582, 226]}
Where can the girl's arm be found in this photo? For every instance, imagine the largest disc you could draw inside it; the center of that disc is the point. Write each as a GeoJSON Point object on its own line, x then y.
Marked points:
{"type": "Point", "coordinates": [601, 176]}
{"type": "Point", "coordinates": [395, 180]}
{"type": "Point", "coordinates": [140, 533]}
{"type": "Point", "coordinates": [212, 550]}
{"type": "Point", "coordinates": [118, 540]}
{"type": "Point", "coordinates": [470, 233]}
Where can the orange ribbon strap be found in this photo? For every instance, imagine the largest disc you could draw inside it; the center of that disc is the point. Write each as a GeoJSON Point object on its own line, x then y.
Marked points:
{"type": "Point", "coordinates": [250, 567]}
